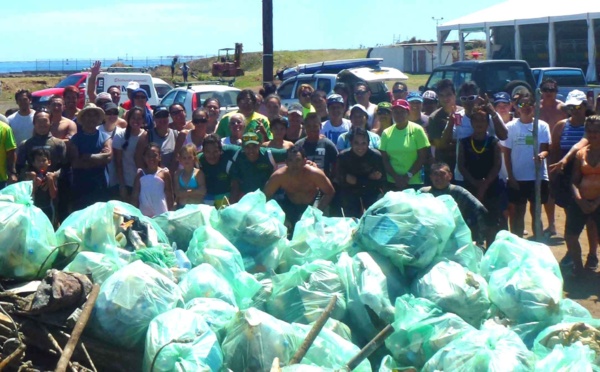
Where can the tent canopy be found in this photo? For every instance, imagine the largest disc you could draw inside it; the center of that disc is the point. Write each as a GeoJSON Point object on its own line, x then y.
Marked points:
{"type": "Point", "coordinates": [518, 12]}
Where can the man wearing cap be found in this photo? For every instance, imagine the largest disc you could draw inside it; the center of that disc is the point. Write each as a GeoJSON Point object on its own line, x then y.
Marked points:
{"type": "Point", "coordinates": [301, 184]}
{"type": "Point", "coordinates": [503, 106]}
{"type": "Point", "coordinates": [60, 127]}
{"type": "Point", "coordinates": [90, 151]}
{"type": "Point", "coordinates": [362, 94]}
{"type": "Point", "coordinates": [336, 125]}
{"type": "Point", "coordinates": [295, 129]}
{"type": "Point", "coordinates": [415, 102]}
{"type": "Point", "coordinates": [399, 91]}
{"type": "Point", "coordinates": [383, 117]}
{"type": "Point", "coordinates": [404, 148]}
{"type": "Point", "coordinates": [319, 150]}
{"type": "Point", "coordinates": [252, 166]}
{"type": "Point", "coordinates": [131, 87]}
{"type": "Point", "coordinates": [430, 102]}
{"type": "Point", "coordinates": [358, 118]}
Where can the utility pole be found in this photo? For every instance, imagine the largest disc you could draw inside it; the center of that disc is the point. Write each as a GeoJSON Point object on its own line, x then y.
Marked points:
{"type": "Point", "coordinates": [267, 20]}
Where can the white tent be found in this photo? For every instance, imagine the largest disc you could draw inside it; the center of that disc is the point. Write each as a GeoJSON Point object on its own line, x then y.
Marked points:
{"type": "Point", "coordinates": [519, 12]}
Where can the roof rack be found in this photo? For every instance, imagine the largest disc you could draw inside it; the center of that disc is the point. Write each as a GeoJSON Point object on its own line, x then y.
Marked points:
{"type": "Point", "coordinates": [189, 84]}
{"type": "Point", "coordinates": [122, 69]}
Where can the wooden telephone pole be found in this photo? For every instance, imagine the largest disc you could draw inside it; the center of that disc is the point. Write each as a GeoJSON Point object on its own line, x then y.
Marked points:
{"type": "Point", "coordinates": [267, 21]}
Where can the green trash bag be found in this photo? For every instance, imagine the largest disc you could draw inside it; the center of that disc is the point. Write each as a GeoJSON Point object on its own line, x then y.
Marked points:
{"type": "Point", "coordinates": [508, 250]}
{"type": "Point", "coordinates": [211, 247]}
{"type": "Point", "coordinates": [161, 255]}
{"type": "Point", "coordinates": [205, 281]}
{"type": "Point", "coordinates": [388, 364]}
{"type": "Point", "coordinates": [26, 235]}
{"type": "Point", "coordinates": [254, 339]}
{"type": "Point", "coordinates": [128, 300]}
{"type": "Point", "coordinates": [179, 225]}
{"type": "Point", "coordinates": [317, 237]}
{"type": "Point", "coordinates": [302, 294]}
{"type": "Point", "coordinates": [180, 340]}
{"type": "Point", "coordinates": [421, 329]}
{"type": "Point", "coordinates": [330, 350]}
{"type": "Point", "coordinates": [576, 357]}
{"type": "Point", "coordinates": [455, 289]}
{"type": "Point", "coordinates": [409, 228]}
{"type": "Point", "coordinates": [585, 331]}
{"type": "Point", "coordinates": [460, 247]}
{"type": "Point", "coordinates": [338, 328]}
{"type": "Point", "coordinates": [96, 265]}
{"type": "Point", "coordinates": [523, 283]}
{"type": "Point", "coordinates": [255, 227]}
{"type": "Point", "coordinates": [493, 348]}
{"type": "Point", "coordinates": [217, 313]}
{"type": "Point", "coordinates": [95, 228]}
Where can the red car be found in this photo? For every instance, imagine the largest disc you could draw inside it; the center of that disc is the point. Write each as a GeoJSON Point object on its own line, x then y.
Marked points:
{"type": "Point", "coordinates": [41, 97]}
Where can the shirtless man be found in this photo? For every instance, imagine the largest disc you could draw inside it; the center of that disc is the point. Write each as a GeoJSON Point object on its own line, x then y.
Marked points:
{"type": "Point", "coordinates": [551, 112]}
{"type": "Point", "coordinates": [301, 183]}
{"type": "Point", "coordinates": [70, 97]}
{"type": "Point", "coordinates": [60, 127]}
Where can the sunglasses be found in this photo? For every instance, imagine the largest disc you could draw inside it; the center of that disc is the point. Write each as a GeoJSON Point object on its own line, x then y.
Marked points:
{"type": "Point", "coordinates": [360, 92]}
{"type": "Point", "coordinates": [573, 107]}
{"type": "Point", "coordinates": [468, 98]}
{"type": "Point", "coordinates": [549, 90]}
{"type": "Point", "coordinates": [399, 90]}
{"type": "Point", "coordinates": [162, 115]}
{"type": "Point", "coordinates": [112, 113]}
{"type": "Point", "coordinates": [306, 94]}
{"type": "Point", "coordinates": [175, 112]}
{"type": "Point", "coordinates": [140, 97]}
{"type": "Point", "coordinates": [199, 120]}
{"type": "Point", "coordinates": [523, 104]}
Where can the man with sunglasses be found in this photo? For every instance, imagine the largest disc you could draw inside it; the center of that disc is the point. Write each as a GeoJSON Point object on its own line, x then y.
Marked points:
{"type": "Point", "coordinates": [551, 112]}
{"type": "Point", "coordinates": [399, 90]}
{"type": "Point", "coordinates": [362, 94]}
{"type": "Point", "coordinates": [430, 102]}
{"type": "Point", "coordinates": [520, 164]}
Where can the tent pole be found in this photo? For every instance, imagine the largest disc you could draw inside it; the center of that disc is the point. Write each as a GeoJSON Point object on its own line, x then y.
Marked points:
{"type": "Point", "coordinates": [488, 43]}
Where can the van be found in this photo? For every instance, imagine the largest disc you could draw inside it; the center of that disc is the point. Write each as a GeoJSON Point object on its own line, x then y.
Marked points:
{"type": "Point", "coordinates": [106, 79]}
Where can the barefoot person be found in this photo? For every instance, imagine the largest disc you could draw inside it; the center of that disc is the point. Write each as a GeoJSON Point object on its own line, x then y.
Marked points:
{"type": "Point", "coordinates": [301, 184]}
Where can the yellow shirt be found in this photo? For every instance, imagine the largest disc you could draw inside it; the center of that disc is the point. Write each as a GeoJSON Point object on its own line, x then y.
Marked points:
{"type": "Point", "coordinates": [401, 146]}
{"type": "Point", "coordinates": [251, 124]}
{"type": "Point", "coordinates": [7, 143]}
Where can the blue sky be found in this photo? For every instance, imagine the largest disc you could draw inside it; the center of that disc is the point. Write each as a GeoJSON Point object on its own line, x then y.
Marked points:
{"type": "Point", "coordinates": [33, 29]}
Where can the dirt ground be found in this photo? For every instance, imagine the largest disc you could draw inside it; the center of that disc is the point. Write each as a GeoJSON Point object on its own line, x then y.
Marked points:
{"type": "Point", "coordinates": [585, 290]}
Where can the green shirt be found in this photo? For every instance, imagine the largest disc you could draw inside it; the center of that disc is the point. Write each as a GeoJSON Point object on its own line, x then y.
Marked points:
{"type": "Point", "coordinates": [254, 175]}
{"type": "Point", "coordinates": [251, 124]}
{"type": "Point", "coordinates": [401, 146]}
{"type": "Point", "coordinates": [7, 143]}
{"type": "Point", "coordinates": [306, 111]}
{"type": "Point", "coordinates": [218, 179]}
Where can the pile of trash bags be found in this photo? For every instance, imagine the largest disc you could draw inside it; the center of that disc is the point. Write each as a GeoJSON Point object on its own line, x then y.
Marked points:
{"type": "Point", "coordinates": [210, 290]}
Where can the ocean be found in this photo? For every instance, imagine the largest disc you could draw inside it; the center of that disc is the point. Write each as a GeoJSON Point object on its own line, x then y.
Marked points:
{"type": "Point", "coordinates": [59, 65]}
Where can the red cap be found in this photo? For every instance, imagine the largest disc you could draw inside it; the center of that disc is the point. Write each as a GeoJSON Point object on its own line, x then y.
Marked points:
{"type": "Point", "coordinates": [401, 103]}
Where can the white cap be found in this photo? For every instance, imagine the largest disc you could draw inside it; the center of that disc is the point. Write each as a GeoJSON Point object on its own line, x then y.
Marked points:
{"type": "Point", "coordinates": [133, 85]}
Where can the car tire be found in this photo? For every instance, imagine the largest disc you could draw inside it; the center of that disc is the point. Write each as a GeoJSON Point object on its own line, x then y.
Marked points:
{"type": "Point", "coordinates": [514, 86]}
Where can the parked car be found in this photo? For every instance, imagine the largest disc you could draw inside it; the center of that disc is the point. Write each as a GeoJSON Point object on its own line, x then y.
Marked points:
{"type": "Point", "coordinates": [568, 79]}
{"type": "Point", "coordinates": [491, 76]}
{"type": "Point", "coordinates": [193, 96]}
{"type": "Point", "coordinates": [162, 87]}
{"type": "Point", "coordinates": [40, 97]}
{"type": "Point", "coordinates": [375, 77]}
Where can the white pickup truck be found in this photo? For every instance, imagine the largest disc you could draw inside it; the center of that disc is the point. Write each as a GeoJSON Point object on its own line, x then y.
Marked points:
{"type": "Point", "coordinates": [568, 79]}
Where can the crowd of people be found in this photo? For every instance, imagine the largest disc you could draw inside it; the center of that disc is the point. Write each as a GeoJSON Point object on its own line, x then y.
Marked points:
{"type": "Point", "coordinates": [338, 152]}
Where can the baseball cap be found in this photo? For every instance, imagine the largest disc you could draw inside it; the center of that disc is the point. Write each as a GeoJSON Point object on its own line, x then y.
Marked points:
{"type": "Point", "coordinates": [384, 106]}
{"type": "Point", "coordinates": [109, 106]}
{"type": "Point", "coordinates": [414, 96]}
{"type": "Point", "coordinates": [575, 98]}
{"type": "Point", "coordinates": [335, 98]}
{"type": "Point", "coordinates": [431, 95]}
{"type": "Point", "coordinates": [360, 107]}
{"type": "Point", "coordinates": [501, 97]}
{"type": "Point", "coordinates": [401, 103]}
{"type": "Point", "coordinates": [133, 85]}
{"type": "Point", "coordinates": [161, 112]}
{"type": "Point", "coordinates": [295, 107]}
{"type": "Point", "coordinates": [250, 138]}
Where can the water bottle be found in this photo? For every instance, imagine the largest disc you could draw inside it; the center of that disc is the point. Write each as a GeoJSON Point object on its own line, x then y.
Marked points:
{"type": "Point", "coordinates": [182, 261]}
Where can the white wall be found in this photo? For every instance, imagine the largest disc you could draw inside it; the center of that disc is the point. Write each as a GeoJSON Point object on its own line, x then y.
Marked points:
{"type": "Point", "coordinates": [394, 56]}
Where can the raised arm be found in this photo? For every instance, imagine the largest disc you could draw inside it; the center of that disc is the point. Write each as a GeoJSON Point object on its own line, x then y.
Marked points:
{"type": "Point", "coordinates": [91, 85]}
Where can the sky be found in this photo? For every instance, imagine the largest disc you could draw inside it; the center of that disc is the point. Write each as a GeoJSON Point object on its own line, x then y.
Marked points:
{"type": "Point", "coordinates": [33, 29]}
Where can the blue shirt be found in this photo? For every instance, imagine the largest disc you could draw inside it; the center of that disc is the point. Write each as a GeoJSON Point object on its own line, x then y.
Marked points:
{"type": "Point", "coordinates": [90, 178]}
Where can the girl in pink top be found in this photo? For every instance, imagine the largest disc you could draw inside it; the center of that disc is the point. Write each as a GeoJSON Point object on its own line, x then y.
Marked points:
{"type": "Point", "coordinates": [152, 188]}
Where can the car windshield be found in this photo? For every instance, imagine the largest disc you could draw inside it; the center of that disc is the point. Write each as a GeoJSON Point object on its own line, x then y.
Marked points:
{"type": "Point", "coordinates": [226, 98]}
{"type": "Point", "coordinates": [69, 80]}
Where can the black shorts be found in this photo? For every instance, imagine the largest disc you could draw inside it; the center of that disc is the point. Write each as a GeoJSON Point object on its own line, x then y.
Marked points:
{"type": "Point", "coordinates": [576, 219]}
{"type": "Point", "coordinates": [526, 192]}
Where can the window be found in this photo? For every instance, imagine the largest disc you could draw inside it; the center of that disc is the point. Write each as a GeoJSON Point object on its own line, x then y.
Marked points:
{"type": "Point", "coordinates": [566, 78]}
{"type": "Point", "coordinates": [285, 90]}
{"type": "Point", "coordinates": [69, 80]}
{"type": "Point", "coordinates": [226, 98]}
{"type": "Point", "coordinates": [324, 85]}
{"type": "Point", "coordinates": [436, 77]}
{"type": "Point", "coordinates": [162, 89]}
{"type": "Point", "coordinates": [169, 98]}
{"type": "Point", "coordinates": [180, 97]}
{"type": "Point", "coordinates": [147, 89]}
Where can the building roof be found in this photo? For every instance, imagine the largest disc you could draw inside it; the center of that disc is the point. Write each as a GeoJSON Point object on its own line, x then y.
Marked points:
{"type": "Point", "coordinates": [519, 12]}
